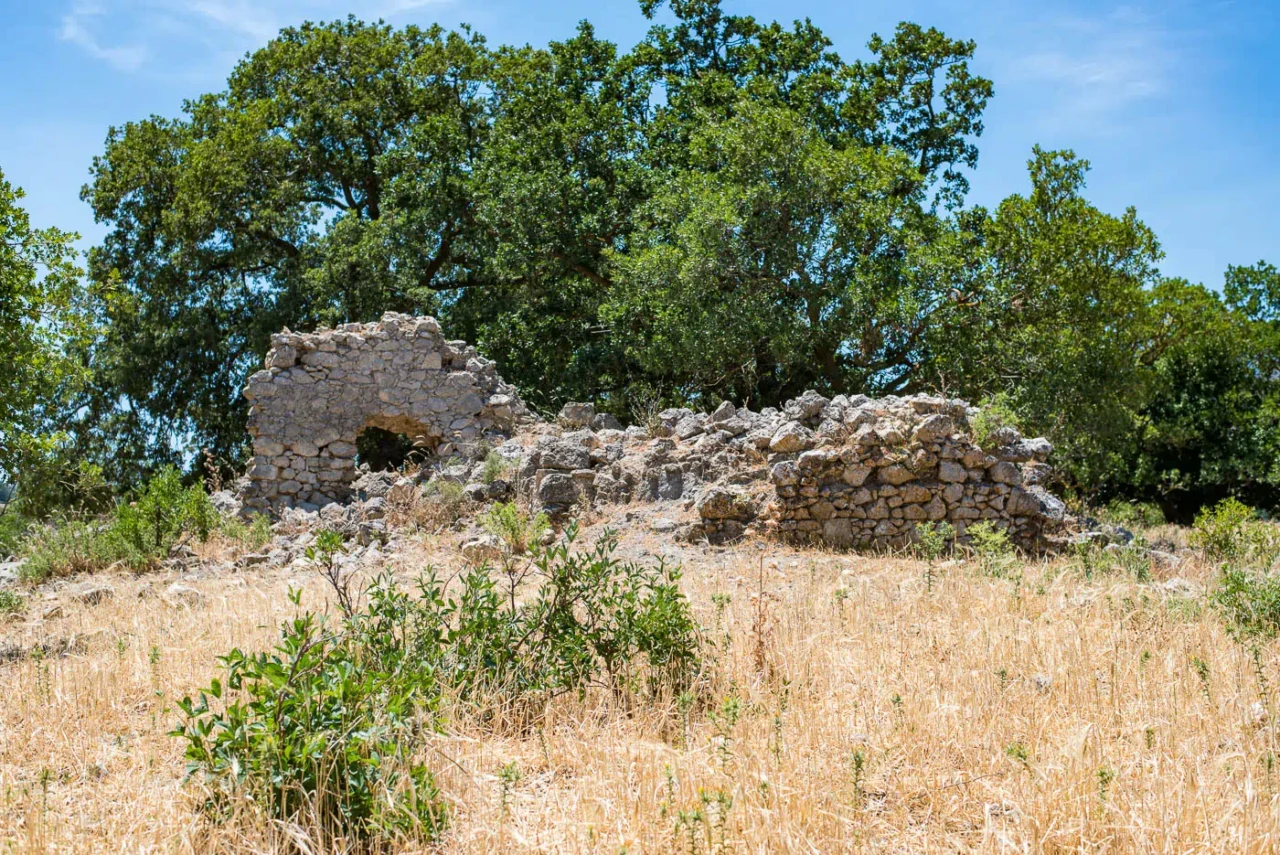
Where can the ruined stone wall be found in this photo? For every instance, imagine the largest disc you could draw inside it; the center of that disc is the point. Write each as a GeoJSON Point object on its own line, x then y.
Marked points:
{"type": "Point", "coordinates": [848, 471]}
{"type": "Point", "coordinates": [319, 390]}
{"type": "Point", "coordinates": [895, 463]}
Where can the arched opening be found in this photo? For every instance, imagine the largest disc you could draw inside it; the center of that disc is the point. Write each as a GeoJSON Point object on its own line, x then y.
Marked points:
{"type": "Point", "coordinates": [389, 445]}
{"type": "Point", "coordinates": [382, 450]}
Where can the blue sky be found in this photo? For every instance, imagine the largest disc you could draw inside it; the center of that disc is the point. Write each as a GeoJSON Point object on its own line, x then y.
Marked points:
{"type": "Point", "coordinates": [1173, 102]}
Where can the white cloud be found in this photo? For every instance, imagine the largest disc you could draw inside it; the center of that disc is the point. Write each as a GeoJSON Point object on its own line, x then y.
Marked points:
{"type": "Point", "coordinates": [151, 30]}
{"type": "Point", "coordinates": [1101, 67]}
{"type": "Point", "coordinates": [77, 29]}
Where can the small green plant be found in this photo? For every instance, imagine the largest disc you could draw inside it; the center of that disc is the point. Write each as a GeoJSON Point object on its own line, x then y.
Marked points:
{"type": "Point", "coordinates": [514, 527]}
{"type": "Point", "coordinates": [495, 467]}
{"type": "Point", "coordinates": [931, 541]}
{"type": "Point", "coordinates": [1106, 777]}
{"type": "Point", "coordinates": [508, 776]}
{"type": "Point", "coordinates": [321, 727]}
{"type": "Point", "coordinates": [992, 548]}
{"type": "Point", "coordinates": [144, 530]}
{"type": "Point", "coordinates": [11, 603]}
{"type": "Point", "coordinates": [252, 535]}
{"type": "Point", "coordinates": [1201, 669]}
{"type": "Point", "coordinates": [1018, 752]}
{"type": "Point", "coordinates": [1221, 531]}
{"type": "Point", "coordinates": [994, 413]}
{"type": "Point", "coordinates": [324, 552]}
{"type": "Point", "coordinates": [1249, 603]}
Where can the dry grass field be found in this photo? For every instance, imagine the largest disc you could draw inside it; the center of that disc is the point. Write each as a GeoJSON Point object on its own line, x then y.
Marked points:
{"type": "Point", "coordinates": [854, 710]}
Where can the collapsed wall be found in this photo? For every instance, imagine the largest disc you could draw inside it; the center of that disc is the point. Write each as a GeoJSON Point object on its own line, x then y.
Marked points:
{"type": "Point", "coordinates": [320, 390]}
{"type": "Point", "coordinates": [847, 471]}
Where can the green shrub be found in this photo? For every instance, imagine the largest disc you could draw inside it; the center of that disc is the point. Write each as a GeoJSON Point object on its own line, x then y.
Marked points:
{"type": "Point", "coordinates": [137, 534]}
{"type": "Point", "coordinates": [513, 526]}
{"type": "Point", "coordinates": [64, 547]}
{"type": "Point", "coordinates": [994, 413]}
{"type": "Point", "coordinates": [495, 466]}
{"type": "Point", "coordinates": [11, 603]}
{"type": "Point", "coordinates": [253, 535]}
{"type": "Point", "coordinates": [1134, 515]}
{"type": "Point", "coordinates": [992, 547]}
{"type": "Point", "coordinates": [12, 528]}
{"type": "Point", "coordinates": [593, 621]}
{"type": "Point", "coordinates": [145, 530]}
{"type": "Point", "coordinates": [321, 730]}
{"type": "Point", "coordinates": [932, 539]}
{"type": "Point", "coordinates": [1249, 603]}
{"type": "Point", "coordinates": [1222, 530]}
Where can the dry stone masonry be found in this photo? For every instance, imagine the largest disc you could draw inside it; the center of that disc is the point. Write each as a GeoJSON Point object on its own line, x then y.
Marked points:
{"type": "Point", "coordinates": [847, 471]}
{"type": "Point", "coordinates": [320, 390]}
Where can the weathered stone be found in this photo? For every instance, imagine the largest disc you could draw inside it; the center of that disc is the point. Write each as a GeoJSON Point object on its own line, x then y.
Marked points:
{"type": "Point", "coordinates": [949, 470]}
{"type": "Point", "coordinates": [894, 474]}
{"type": "Point", "coordinates": [1004, 472]}
{"type": "Point", "coordinates": [576, 415]}
{"type": "Point", "coordinates": [790, 438]}
{"type": "Point", "coordinates": [725, 503]}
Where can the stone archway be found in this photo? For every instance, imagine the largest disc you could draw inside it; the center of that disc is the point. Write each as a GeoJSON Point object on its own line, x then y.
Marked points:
{"type": "Point", "coordinates": [320, 390]}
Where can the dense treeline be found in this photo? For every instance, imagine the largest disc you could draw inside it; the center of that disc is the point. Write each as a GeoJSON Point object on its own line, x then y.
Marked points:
{"type": "Point", "coordinates": [729, 210]}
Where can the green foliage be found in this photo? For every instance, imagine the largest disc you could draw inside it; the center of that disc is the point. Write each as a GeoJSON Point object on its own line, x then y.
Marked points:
{"type": "Point", "coordinates": [994, 413]}
{"type": "Point", "coordinates": [325, 727]}
{"type": "Point", "coordinates": [253, 534]}
{"type": "Point", "coordinates": [593, 622]}
{"type": "Point", "coordinates": [507, 522]}
{"type": "Point", "coordinates": [1222, 530]}
{"type": "Point", "coordinates": [1135, 515]}
{"type": "Point", "coordinates": [932, 539]}
{"type": "Point", "coordinates": [992, 547]}
{"type": "Point", "coordinates": [321, 728]}
{"type": "Point", "coordinates": [1249, 603]}
{"type": "Point", "coordinates": [42, 313]}
{"type": "Point", "coordinates": [144, 530]}
{"type": "Point", "coordinates": [495, 466]}
{"type": "Point", "coordinates": [11, 603]}
{"type": "Point", "coordinates": [137, 534]}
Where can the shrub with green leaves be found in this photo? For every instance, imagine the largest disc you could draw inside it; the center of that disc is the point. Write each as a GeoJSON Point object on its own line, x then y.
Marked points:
{"type": "Point", "coordinates": [992, 547]}
{"type": "Point", "coordinates": [518, 530]}
{"type": "Point", "coordinates": [11, 603]}
{"type": "Point", "coordinates": [1249, 603]}
{"type": "Point", "coordinates": [593, 622]}
{"type": "Point", "coordinates": [1222, 530]}
{"type": "Point", "coordinates": [321, 730]}
{"type": "Point", "coordinates": [144, 530]}
{"type": "Point", "coordinates": [932, 539]}
{"type": "Point", "coordinates": [994, 413]}
{"type": "Point", "coordinates": [495, 466]}
{"type": "Point", "coordinates": [1137, 515]}
{"type": "Point", "coordinates": [137, 534]}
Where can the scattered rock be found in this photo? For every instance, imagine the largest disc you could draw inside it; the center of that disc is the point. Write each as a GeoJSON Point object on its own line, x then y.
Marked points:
{"type": "Point", "coordinates": [52, 612]}
{"type": "Point", "coordinates": [484, 549]}
{"type": "Point", "coordinates": [183, 595]}
{"type": "Point", "coordinates": [91, 594]}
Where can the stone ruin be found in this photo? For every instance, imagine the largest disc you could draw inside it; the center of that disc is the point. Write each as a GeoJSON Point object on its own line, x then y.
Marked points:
{"type": "Point", "coordinates": [320, 390]}
{"type": "Point", "coordinates": [846, 471]}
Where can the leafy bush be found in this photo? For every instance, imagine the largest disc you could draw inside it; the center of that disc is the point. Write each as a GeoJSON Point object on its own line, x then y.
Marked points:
{"type": "Point", "coordinates": [1222, 530]}
{"type": "Point", "coordinates": [145, 530]}
{"type": "Point", "coordinates": [137, 534]}
{"type": "Point", "coordinates": [1136, 515]}
{"type": "Point", "coordinates": [1249, 603]}
{"type": "Point", "coordinates": [321, 729]}
{"type": "Point", "coordinates": [65, 547]}
{"type": "Point", "coordinates": [11, 603]}
{"type": "Point", "coordinates": [994, 413]}
{"type": "Point", "coordinates": [593, 622]}
{"type": "Point", "coordinates": [991, 546]}
{"type": "Point", "coordinates": [932, 539]}
{"type": "Point", "coordinates": [495, 466]}
{"type": "Point", "coordinates": [252, 535]}
{"type": "Point", "coordinates": [513, 526]}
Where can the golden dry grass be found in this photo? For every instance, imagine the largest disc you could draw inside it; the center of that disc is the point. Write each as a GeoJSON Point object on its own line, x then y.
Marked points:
{"type": "Point", "coordinates": [1050, 714]}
